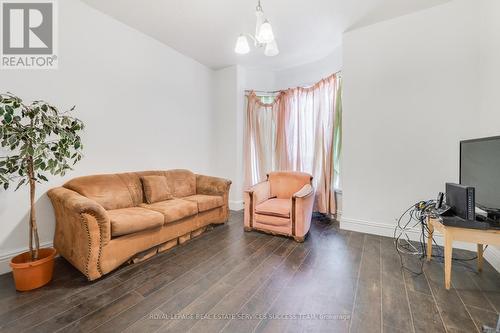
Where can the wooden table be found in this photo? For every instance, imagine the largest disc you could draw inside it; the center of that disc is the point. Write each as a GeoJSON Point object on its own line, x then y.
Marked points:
{"type": "Point", "coordinates": [480, 237]}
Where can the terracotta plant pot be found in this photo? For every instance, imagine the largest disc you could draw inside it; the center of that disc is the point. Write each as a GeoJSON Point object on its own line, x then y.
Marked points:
{"type": "Point", "coordinates": [29, 275]}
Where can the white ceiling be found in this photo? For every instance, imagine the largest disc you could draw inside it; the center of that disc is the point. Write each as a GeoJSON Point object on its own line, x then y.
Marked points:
{"type": "Point", "coordinates": [206, 30]}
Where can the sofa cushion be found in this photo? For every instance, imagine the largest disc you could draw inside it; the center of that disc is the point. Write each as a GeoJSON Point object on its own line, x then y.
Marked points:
{"type": "Point", "coordinates": [156, 189]}
{"type": "Point", "coordinates": [275, 207]}
{"type": "Point", "coordinates": [131, 220]}
{"type": "Point", "coordinates": [206, 202]}
{"type": "Point", "coordinates": [182, 183]}
{"type": "Point", "coordinates": [107, 190]}
{"type": "Point", "coordinates": [174, 209]}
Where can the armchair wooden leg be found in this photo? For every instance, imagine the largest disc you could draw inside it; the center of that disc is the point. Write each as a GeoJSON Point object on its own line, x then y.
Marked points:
{"type": "Point", "coordinates": [247, 229]}
{"type": "Point", "coordinates": [299, 239]}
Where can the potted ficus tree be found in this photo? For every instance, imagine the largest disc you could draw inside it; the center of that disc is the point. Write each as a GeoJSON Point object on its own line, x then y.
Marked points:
{"type": "Point", "coordinates": [36, 139]}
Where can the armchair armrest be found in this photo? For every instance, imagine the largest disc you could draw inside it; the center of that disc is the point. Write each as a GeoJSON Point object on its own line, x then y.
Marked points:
{"type": "Point", "coordinates": [212, 185]}
{"type": "Point", "coordinates": [82, 230]}
{"type": "Point", "coordinates": [302, 208]}
{"type": "Point", "coordinates": [260, 192]}
{"type": "Point", "coordinates": [304, 192]}
{"type": "Point", "coordinates": [252, 197]}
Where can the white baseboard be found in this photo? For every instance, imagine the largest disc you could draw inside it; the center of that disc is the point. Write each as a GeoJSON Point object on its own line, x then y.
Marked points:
{"type": "Point", "coordinates": [492, 254]}
{"type": "Point", "coordinates": [236, 204]}
{"type": "Point", "coordinates": [5, 257]}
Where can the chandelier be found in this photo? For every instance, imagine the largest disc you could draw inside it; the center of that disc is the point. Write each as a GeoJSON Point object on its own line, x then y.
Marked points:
{"type": "Point", "coordinates": [263, 38]}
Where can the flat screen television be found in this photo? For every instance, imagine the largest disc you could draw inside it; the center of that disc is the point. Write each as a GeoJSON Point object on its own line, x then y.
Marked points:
{"type": "Point", "coordinates": [480, 168]}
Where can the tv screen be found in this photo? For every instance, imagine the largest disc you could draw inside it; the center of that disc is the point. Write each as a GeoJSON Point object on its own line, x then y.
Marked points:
{"type": "Point", "coordinates": [480, 167]}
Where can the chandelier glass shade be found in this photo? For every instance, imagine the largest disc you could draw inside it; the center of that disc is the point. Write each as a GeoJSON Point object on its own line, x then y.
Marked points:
{"type": "Point", "coordinates": [263, 37]}
{"type": "Point", "coordinates": [271, 49]}
{"type": "Point", "coordinates": [266, 34]}
{"type": "Point", "coordinates": [242, 46]}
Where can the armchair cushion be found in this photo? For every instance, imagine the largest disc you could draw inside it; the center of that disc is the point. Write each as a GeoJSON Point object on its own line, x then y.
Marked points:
{"type": "Point", "coordinates": [174, 209]}
{"type": "Point", "coordinates": [131, 220]}
{"type": "Point", "coordinates": [206, 202]}
{"type": "Point", "coordinates": [272, 220]}
{"type": "Point", "coordinates": [274, 207]}
{"type": "Point", "coordinates": [156, 189]}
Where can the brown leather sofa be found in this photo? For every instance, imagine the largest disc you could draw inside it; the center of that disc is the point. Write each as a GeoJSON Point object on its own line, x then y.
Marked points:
{"type": "Point", "coordinates": [103, 221]}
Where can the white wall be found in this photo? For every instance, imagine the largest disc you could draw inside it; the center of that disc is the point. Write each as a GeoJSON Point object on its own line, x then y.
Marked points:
{"type": "Point", "coordinates": [309, 74]}
{"type": "Point", "coordinates": [490, 67]}
{"type": "Point", "coordinates": [227, 130]}
{"type": "Point", "coordinates": [410, 95]}
{"type": "Point", "coordinates": [228, 123]}
{"type": "Point", "coordinates": [145, 105]}
{"type": "Point", "coordinates": [255, 79]}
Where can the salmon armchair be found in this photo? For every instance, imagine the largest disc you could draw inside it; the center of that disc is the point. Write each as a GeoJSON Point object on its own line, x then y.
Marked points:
{"type": "Point", "coordinates": [281, 205]}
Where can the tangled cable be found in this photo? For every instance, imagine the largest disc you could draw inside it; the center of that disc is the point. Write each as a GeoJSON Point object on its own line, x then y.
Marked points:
{"type": "Point", "coordinates": [414, 219]}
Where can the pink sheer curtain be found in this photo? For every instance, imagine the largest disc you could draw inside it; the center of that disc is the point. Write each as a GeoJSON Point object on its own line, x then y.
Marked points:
{"type": "Point", "coordinates": [295, 133]}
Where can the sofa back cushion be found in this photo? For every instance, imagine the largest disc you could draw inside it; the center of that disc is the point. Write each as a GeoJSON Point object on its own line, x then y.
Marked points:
{"type": "Point", "coordinates": [182, 183]}
{"type": "Point", "coordinates": [156, 189]}
{"type": "Point", "coordinates": [284, 184]}
{"type": "Point", "coordinates": [124, 190]}
{"type": "Point", "coordinates": [110, 191]}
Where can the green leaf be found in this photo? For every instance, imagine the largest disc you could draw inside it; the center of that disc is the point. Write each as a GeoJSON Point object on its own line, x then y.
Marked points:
{"type": "Point", "coordinates": [20, 184]}
{"type": "Point", "coordinates": [37, 130]}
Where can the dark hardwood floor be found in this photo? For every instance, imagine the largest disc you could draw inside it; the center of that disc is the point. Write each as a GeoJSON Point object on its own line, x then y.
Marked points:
{"type": "Point", "coordinates": [231, 281]}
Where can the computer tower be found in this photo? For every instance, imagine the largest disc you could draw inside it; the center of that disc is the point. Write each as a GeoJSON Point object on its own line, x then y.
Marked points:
{"type": "Point", "coordinates": [462, 201]}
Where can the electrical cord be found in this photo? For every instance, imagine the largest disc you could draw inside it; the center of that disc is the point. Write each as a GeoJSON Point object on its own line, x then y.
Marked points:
{"type": "Point", "coordinates": [413, 217]}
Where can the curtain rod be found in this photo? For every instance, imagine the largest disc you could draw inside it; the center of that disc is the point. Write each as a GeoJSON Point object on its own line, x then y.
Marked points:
{"type": "Point", "coordinates": [278, 91]}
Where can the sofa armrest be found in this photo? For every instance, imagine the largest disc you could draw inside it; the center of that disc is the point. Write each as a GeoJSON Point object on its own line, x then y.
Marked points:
{"type": "Point", "coordinates": [215, 186]}
{"type": "Point", "coordinates": [212, 185]}
{"type": "Point", "coordinates": [82, 230]}
{"type": "Point", "coordinates": [302, 208]}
